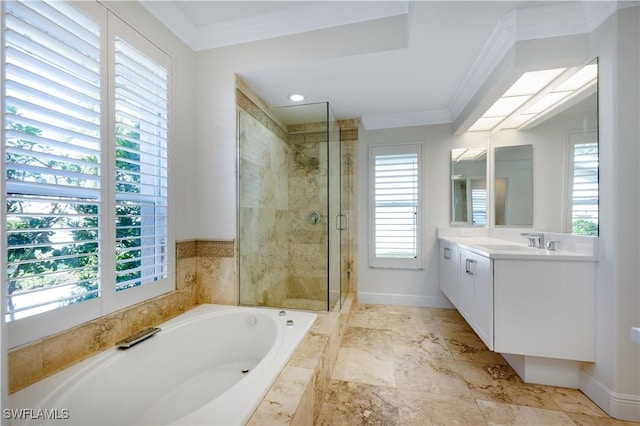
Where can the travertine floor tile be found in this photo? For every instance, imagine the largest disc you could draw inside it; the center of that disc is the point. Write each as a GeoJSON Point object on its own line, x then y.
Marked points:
{"type": "Point", "coordinates": [349, 403]}
{"type": "Point", "coordinates": [423, 408]}
{"type": "Point", "coordinates": [574, 401]}
{"type": "Point", "coordinates": [363, 366]}
{"type": "Point", "coordinates": [430, 344]}
{"type": "Point", "coordinates": [467, 346]}
{"type": "Point", "coordinates": [505, 414]}
{"type": "Point", "coordinates": [439, 376]}
{"type": "Point", "coordinates": [586, 420]}
{"type": "Point", "coordinates": [375, 341]}
{"type": "Point", "coordinates": [417, 366]}
{"type": "Point", "coordinates": [499, 383]}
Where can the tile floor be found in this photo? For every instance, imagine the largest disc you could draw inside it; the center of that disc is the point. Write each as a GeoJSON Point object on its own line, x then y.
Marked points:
{"type": "Point", "coordinates": [420, 366]}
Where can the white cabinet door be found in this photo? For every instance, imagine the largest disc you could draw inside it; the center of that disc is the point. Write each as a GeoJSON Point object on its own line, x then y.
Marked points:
{"type": "Point", "coordinates": [449, 271]}
{"type": "Point", "coordinates": [476, 294]}
{"type": "Point", "coordinates": [466, 290]}
{"type": "Point", "coordinates": [483, 284]}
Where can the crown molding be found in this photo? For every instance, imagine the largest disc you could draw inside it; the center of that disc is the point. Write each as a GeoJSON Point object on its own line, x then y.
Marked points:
{"type": "Point", "coordinates": [308, 17]}
{"type": "Point", "coordinates": [408, 119]}
{"type": "Point", "coordinates": [528, 24]}
{"type": "Point", "coordinates": [171, 17]}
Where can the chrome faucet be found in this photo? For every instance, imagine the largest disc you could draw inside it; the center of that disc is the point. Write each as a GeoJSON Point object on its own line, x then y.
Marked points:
{"type": "Point", "coordinates": [536, 239]}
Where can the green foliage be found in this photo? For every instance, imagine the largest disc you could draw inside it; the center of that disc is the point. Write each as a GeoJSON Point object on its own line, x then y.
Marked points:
{"type": "Point", "coordinates": [585, 227]}
{"type": "Point", "coordinates": [33, 254]}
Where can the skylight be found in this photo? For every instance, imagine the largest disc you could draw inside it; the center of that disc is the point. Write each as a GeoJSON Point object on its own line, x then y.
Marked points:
{"type": "Point", "coordinates": [535, 93]}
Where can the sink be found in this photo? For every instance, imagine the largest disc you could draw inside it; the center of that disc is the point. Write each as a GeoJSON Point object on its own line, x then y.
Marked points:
{"type": "Point", "coordinates": [507, 247]}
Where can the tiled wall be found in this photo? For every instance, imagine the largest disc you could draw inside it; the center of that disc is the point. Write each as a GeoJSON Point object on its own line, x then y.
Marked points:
{"type": "Point", "coordinates": [284, 179]}
{"type": "Point", "coordinates": [264, 212]}
{"type": "Point", "coordinates": [205, 273]}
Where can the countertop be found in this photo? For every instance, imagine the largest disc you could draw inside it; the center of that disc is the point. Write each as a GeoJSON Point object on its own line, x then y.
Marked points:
{"type": "Point", "coordinates": [503, 249]}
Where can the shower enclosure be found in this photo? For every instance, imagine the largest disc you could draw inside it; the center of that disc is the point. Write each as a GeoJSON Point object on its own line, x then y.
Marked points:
{"type": "Point", "coordinates": [291, 229]}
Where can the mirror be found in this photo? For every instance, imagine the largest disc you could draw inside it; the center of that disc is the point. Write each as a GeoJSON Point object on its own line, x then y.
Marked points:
{"type": "Point", "coordinates": [469, 186]}
{"type": "Point", "coordinates": [565, 167]}
{"type": "Point", "coordinates": [513, 185]}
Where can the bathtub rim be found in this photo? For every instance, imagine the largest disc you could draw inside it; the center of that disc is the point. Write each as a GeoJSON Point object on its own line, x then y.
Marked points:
{"type": "Point", "coordinates": [47, 389]}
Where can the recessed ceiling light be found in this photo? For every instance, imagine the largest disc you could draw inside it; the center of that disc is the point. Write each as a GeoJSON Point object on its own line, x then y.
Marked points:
{"type": "Point", "coordinates": [296, 97]}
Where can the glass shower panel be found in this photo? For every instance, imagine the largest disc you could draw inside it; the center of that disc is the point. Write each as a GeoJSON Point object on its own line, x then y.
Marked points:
{"type": "Point", "coordinates": [339, 224]}
{"type": "Point", "coordinates": [286, 212]}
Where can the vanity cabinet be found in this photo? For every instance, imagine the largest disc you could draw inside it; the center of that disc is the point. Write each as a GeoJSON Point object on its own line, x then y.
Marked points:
{"type": "Point", "coordinates": [449, 271]}
{"type": "Point", "coordinates": [535, 307]}
{"type": "Point", "coordinates": [545, 309]}
{"type": "Point", "coordinates": [475, 293]}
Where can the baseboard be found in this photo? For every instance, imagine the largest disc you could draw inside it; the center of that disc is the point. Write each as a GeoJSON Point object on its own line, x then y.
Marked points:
{"type": "Point", "coordinates": [617, 405]}
{"type": "Point", "coordinates": [404, 300]}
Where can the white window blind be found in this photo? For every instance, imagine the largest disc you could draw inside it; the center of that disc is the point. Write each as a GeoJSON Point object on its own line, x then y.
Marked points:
{"type": "Point", "coordinates": [52, 156]}
{"type": "Point", "coordinates": [85, 151]}
{"type": "Point", "coordinates": [479, 201]}
{"type": "Point", "coordinates": [395, 203]}
{"type": "Point", "coordinates": [141, 168]}
{"type": "Point", "coordinates": [584, 188]}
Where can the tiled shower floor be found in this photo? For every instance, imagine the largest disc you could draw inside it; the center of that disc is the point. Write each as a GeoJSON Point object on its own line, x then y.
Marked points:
{"type": "Point", "coordinates": [420, 366]}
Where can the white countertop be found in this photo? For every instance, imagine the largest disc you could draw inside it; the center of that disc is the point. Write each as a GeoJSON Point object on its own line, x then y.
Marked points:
{"type": "Point", "coordinates": [503, 249]}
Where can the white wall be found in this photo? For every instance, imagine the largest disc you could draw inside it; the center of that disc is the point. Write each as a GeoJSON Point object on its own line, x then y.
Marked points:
{"type": "Point", "coordinates": [613, 380]}
{"type": "Point", "coordinates": [410, 287]}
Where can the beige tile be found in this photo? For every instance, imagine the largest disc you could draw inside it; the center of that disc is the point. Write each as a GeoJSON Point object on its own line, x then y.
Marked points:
{"type": "Point", "coordinates": [586, 420]}
{"type": "Point", "coordinates": [439, 376]}
{"type": "Point", "coordinates": [26, 365]}
{"type": "Point", "coordinates": [574, 401]}
{"type": "Point", "coordinates": [375, 341]}
{"type": "Point", "coordinates": [349, 403]}
{"type": "Point", "coordinates": [280, 404]}
{"type": "Point", "coordinates": [423, 408]}
{"type": "Point", "coordinates": [467, 346]}
{"type": "Point", "coordinates": [363, 366]}
{"type": "Point", "coordinates": [507, 414]}
{"type": "Point", "coordinates": [499, 383]}
{"type": "Point", "coordinates": [310, 351]}
{"type": "Point", "coordinates": [325, 323]}
{"type": "Point", "coordinates": [427, 344]}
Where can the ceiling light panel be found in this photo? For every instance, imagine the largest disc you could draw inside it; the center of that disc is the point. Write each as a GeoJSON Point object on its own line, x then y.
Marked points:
{"type": "Point", "coordinates": [505, 106]}
{"type": "Point", "coordinates": [532, 82]}
{"type": "Point", "coordinates": [535, 93]}
{"type": "Point", "coordinates": [579, 79]}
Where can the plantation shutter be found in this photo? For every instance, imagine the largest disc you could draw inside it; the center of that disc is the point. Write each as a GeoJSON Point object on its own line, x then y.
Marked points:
{"type": "Point", "coordinates": [395, 199]}
{"type": "Point", "coordinates": [141, 105]}
{"type": "Point", "coordinates": [52, 156]}
{"type": "Point", "coordinates": [479, 201]}
{"type": "Point", "coordinates": [584, 193]}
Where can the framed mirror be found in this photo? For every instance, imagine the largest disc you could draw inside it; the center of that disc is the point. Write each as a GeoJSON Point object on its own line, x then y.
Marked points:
{"type": "Point", "coordinates": [469, 186]}
{"type": "Point", "coordinates": [513, 185]}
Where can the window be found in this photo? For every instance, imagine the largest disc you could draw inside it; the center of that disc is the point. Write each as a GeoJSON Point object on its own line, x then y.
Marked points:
{"type": "Point", "coordinates": [583, 188]}
{"type": "Point", "coordinates": [395, 211]}
{"type": "Point", "coordinates": [79, 158]}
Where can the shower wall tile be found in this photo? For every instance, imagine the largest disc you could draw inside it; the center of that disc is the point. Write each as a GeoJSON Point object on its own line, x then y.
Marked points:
{"type": "Point", "coordinates": [216, 272]}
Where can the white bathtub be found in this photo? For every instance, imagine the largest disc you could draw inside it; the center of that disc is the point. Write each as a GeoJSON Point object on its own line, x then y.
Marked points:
{"type": "Point", "coordinates": [191, 372]}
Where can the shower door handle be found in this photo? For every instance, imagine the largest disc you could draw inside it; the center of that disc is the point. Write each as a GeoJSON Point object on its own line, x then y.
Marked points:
{"type": "Point", "coordinates": [339, 222]}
